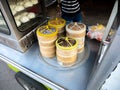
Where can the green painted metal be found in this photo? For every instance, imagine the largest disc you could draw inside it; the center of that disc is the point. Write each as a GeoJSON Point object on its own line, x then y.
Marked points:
{"type": "Point", "coordinates": [17, 70]}
{"type": "Point", "coordinates": [13, 68]}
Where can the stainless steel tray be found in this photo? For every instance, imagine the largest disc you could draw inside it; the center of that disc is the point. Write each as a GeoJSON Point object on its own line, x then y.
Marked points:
{"type": "Point", "coordinates": [81, 59]}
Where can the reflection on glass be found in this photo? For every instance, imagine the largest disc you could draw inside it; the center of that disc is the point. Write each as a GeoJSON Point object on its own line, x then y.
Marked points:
{"type": "Point", "coordinates": [3, 25]}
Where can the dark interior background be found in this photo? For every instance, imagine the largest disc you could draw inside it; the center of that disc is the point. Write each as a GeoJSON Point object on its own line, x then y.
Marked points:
{"type": "Point", "coordinates": [95, 11]}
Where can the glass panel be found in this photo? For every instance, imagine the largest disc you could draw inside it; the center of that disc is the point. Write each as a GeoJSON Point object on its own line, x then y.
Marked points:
{"type": "Point", "coordinates": [3, 26]}
{"type": "Point", "coordinates": [27, 14]}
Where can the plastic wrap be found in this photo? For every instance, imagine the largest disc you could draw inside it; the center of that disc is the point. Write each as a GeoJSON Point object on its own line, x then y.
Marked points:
{"type": "Point", "coordinates": [96, 32]}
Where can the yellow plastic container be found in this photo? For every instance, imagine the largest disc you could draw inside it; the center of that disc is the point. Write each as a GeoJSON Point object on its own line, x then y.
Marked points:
{"type": "Point", "coordinates": [66, 51]}
{"type": "Point", "coordinates": [46, 37]}
{"type": "Point", "coordinates": [59, 24]}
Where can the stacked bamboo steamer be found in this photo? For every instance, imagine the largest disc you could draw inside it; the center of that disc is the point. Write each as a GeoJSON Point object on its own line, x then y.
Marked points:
{"type": "Point", "coordinates": [46, 37]}
{"type": "Point", "coordinates": [59, 24]}
{"type": "Point", "coordinates": [65, 48]}
{"type": "Point", "coordinates": [66, 51]}
{"type": "Point", "coordinates": [77, 30]}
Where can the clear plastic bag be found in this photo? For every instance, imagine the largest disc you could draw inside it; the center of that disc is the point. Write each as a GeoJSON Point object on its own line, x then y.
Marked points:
{"type": "Point", "coordinates": [96, 32]}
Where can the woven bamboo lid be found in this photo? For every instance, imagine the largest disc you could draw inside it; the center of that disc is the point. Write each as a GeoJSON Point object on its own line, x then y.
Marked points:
{"type": "Point", "coordinates": [46, 31]}
{"type": "Point", "coordinates": [57, 22]}
{"type": "Point", "coordinates": [76, 26]}
{"type": "Point", "coordinates": [66, 43]}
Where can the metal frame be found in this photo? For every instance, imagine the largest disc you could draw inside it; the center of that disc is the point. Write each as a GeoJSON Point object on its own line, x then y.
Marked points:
{"type": "Point", "coordinates": [110, 59]}
{"type": "Point", "coordinates": [107, 65]}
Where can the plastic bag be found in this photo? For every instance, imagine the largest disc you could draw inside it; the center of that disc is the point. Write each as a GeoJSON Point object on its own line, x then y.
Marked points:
{"type": "Point", "coordinates": [96, 32]}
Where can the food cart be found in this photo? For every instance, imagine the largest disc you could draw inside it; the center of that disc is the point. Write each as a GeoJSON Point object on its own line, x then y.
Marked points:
{"type": "Point", "coordinates": [98, 61]}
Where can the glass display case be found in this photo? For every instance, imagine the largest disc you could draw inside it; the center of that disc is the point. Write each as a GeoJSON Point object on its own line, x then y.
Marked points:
{"type": "Point", "coordinates": [26, 13]}
{"type": "Point", "coordinates": [19, 20]}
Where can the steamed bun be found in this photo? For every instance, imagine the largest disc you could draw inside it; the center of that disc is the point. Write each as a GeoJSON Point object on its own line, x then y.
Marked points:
{"type": "Point", "coordinates": [18, 22]}
{"type": "Point", "coordinates": [31, 15]}
{"type": "Point", "coordinates": [28, 4]}
{"type": "Point", "coordinates": [14, 11]}
{"type": "Point", "coordinates": [34, 1]}
{"type": "Point", "coordinates": [24, 19]}
{"type": "Point", "coordinates": [19, 8]}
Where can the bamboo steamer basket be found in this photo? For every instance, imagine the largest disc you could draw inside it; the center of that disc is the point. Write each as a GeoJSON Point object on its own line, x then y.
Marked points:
{"type": "Point", "coordinates": [66, 51]}
{"type": "Point", "coordinates": [77, 31]}
{"type": "Point", "coordinates": [59, 24]}
{"type": "Point", "coordinates": [46, 37]}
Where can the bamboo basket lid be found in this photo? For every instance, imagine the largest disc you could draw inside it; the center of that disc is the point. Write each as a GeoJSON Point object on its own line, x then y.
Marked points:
{"type": "Point", "coordinates": [66, 43]}
{"type": "Point", "coordinates": [75, 26]}
{"type": "Point", "coordinates": [57, 22]}
{"type": "Point", "coordinates": [46, 31]}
